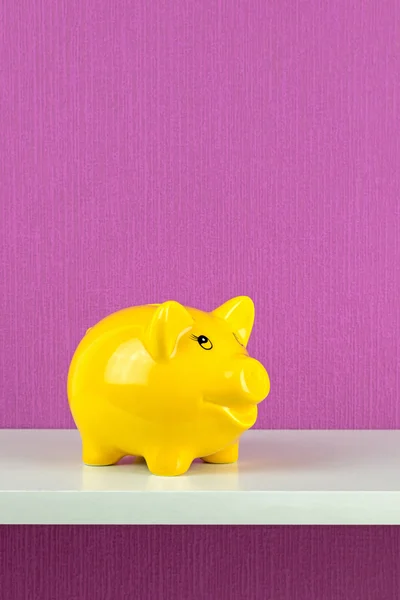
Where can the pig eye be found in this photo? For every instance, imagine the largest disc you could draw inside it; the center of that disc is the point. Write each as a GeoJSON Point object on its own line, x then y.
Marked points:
{"type": "Point", "coordinates": [203, 341]}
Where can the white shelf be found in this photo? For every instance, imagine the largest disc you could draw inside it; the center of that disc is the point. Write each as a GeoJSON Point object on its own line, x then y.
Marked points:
{"type": "Point", "coordinates": [282, 478]}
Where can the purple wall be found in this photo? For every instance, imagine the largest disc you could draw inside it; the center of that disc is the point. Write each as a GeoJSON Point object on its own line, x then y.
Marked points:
{"type": "Point", "coordinates": [197, 150]}
{"type": "Point", "coordinates": [200, 563]}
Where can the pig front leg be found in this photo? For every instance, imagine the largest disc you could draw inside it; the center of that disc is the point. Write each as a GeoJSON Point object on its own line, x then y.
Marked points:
{"type": "Point", "coordinates": [168, 464]}
{"type": "Point", "coordinates": [230, 454]}
{"type": "Point", "coordinates": [93, 455]}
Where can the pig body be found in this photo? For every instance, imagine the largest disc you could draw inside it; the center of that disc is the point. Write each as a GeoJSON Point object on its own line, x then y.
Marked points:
{"type": "Point", "coordinates": [168, 383]}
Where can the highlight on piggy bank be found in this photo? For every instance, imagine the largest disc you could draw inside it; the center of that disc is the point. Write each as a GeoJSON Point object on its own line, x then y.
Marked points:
{"type": "Point", "coordinates": [167, 383]}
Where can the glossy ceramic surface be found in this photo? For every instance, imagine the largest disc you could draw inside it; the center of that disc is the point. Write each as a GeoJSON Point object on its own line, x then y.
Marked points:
{"type": "Point", "coordinates": [168, 383]}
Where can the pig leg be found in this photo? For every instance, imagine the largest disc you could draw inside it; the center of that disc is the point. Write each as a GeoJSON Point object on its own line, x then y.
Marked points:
{"type": "Point", "coordinates": [167, 465]}
{"type": "Point", "coordinates": [94, 455]}
{"type": "Point", "coordinates": [230, 454]}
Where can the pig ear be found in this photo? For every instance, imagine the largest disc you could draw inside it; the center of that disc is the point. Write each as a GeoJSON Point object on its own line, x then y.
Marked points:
{"type": "Point", "coordinates": [168, 323]}
{"type": "Point", "coordinates": [239, 314]}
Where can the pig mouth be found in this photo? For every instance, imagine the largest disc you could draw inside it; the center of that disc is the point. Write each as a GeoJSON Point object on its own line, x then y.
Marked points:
{"type": "Point", "coordinates": [243, 414]}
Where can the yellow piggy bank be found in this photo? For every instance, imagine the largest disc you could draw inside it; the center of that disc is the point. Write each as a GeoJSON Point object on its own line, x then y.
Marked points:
{"type": "Point", "coordinates": [168, 383]}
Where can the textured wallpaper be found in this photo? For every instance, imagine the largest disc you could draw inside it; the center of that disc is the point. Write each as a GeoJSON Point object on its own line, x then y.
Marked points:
{"type": "Point", "coordinates": [196, 150]}
{"type": "Point", "coordinates": [200, 563]}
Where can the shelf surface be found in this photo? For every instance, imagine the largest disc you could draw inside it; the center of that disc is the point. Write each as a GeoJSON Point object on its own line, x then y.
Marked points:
{"type": "Point", "coordinates": [282, 478]}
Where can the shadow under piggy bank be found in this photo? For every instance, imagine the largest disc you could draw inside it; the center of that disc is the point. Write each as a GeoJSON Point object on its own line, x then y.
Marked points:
{"type": "Point", "coordinates": [132, 474]}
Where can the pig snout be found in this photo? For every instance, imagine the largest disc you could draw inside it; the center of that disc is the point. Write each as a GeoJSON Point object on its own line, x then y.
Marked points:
{"type": "Point", "coordinates": [254, 380]}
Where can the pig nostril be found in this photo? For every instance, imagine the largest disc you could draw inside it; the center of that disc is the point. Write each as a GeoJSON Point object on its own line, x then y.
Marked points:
{"type": "Point", "coordinates": [254, 380]}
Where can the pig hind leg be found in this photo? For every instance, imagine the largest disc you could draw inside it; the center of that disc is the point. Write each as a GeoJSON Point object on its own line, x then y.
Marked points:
{"type": "Point", "coordinates": [94, 455]}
